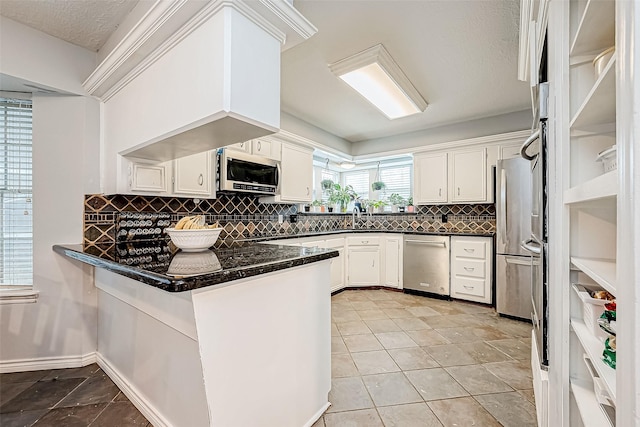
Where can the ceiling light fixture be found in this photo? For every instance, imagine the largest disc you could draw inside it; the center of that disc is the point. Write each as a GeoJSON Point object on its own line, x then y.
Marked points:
{"type": "Point", "coordinates": [347, 165]}
{"type": "Point", "coordinates": [375, 75]}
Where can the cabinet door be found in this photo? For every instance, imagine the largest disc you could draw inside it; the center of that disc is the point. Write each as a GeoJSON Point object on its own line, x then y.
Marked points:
{"type": "Point", "coordinates": [144, 178]}
{"type": "Point", "coordinates": [297, 174]}
{"type": "Point", "coordinates": [430, 178]}
{"type": "Point", "coordinates": [363, 266]}
{"type": "Point", "coordinates": [266, 148]}
{"type": "Point", "coordinates": [193, 174]}
{"type": "Point", "coordinates": [337, 264]}
{"type": "Point", "coordinates": [392, 261]}
{"type": "Point", "coordinates": [468, 176]}
{"type": "Point", "coordinates": [241, 146]}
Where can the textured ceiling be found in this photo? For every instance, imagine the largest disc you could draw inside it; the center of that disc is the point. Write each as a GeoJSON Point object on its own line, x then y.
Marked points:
{"type": "Point", "coordinates": [86, 23]}
{"type": "Point", "coordinates": [460, 55]}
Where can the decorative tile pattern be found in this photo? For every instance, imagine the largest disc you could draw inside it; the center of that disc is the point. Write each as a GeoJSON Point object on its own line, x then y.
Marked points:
{"type": "Point", "coordinates": [244, 217]}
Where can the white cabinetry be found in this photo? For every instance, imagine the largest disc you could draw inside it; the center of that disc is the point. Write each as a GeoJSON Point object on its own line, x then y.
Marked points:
{"type": "Point", "coordinates": [337, 264]}
{"type": "Point", "coordinates": [468, 176]}
{"type": "Point", "coordinates": [430, 178]}
{"type": "Point", "coordinates": [363, 261]}
{"type": "Point", "coordinates": [392, 261]}
{"type": "Point", "coordinates": [265, 147]}
{"type": "Point", "coordinates": [296, 180]}
{"type": "Point", "coordinates": [144, 178]}
{"type": "Point", "coordinates": [194, 175]}
{"type": "Point", "coordinates": [245, 146]}
{"type": "Point", "coordinates": [454, 177]}
{"type": "Point", "coordinates": [471, 268]}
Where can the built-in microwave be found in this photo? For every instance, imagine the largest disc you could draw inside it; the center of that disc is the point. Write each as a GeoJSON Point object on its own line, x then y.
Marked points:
{"type": "Point", "coordinates": [247, 173]}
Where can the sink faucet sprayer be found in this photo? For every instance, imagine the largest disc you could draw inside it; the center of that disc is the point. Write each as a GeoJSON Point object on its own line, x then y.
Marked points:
{"type": "Point", "coordinates": [353, 217]}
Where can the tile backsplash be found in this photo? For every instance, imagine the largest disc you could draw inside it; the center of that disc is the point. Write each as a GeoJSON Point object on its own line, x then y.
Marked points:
{"type": "Point", "coordinates": [244, 217]}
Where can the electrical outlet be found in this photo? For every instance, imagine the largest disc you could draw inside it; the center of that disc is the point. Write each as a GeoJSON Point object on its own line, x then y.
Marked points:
{"type": "Point", "coordinates": [280, 219]}
{"type": "Point", "coordinates": [444, 218]}
{"type": "Point", "coordinates": [293, 219]}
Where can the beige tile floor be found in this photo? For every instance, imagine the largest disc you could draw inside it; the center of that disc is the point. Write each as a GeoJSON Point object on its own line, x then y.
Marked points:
{"type": "Point", "coordinates": [405, 360]}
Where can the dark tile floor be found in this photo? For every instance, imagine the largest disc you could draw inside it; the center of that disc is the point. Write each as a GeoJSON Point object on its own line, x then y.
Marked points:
{"type": "Point", "coordinates": [65, 397]}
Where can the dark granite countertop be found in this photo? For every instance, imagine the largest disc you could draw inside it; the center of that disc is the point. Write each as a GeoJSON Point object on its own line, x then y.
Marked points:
{"type": "Point", "coordinates": [158, 263]}
{"type": "Point", "coordinates": [278, 236]}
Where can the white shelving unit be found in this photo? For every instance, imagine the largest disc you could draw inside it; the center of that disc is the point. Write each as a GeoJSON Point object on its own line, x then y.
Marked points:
{"type": "Point", "coordinates": [590, 198]}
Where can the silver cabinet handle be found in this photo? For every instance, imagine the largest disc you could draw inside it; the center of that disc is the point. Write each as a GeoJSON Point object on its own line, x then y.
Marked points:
{"type": "Point", "coordinates": [242, 145]}
{"type": "Point", "coordinates": [200, 180]}
{"type": "Point", "coordinates": [439, 192]}
{"type": "Point", "coordinates": [259, 145]}
{"type": "Point", "coordinates": [458, 191]}
{"type": "Point", "coordinates": [469, 268]}
{"type": "Point", "coordinates": [527, 143]}
{"type": "Point", "coordinates": [364, 242]}
{"type": "Point", "coordinates": [467, 287]}
{"type": "Point", "coordinates": [307, 191]}
{"type": "Point", "coordinates": [531, 246]}
{"type": "Point", "coordinates": [469, 250]}
{"type": "Point", "coordinates": [373, 263]}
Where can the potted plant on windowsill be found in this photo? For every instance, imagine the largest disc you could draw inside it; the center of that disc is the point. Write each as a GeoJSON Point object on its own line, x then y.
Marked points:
{"type": "Point", "coordinates": [317, 205]}
{"type": "Point", "coordinates": [378, 205]}
{"type": "Point", "coordinates": [396, 200]}
{"type": "Point", "coordinates": [410, 207]}
{"type": "Point", "coordinates": [342, 196]}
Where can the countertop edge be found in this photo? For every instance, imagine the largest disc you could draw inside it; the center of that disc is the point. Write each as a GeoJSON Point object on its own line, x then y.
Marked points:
{"type": "Point", "coordinates": [195, 282]}
{"type": "Point", "coordinates": [356, 231]}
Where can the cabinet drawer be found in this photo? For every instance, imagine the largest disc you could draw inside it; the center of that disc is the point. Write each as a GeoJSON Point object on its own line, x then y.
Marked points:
{"type": "Point", "coordinates": [469, 249]}
{"type": "Point", "coordinates": [363, 241]}
{"type": "Point", "coordinates": [469, 268]}
{"type": "Point", "coordinates": [468, 286]}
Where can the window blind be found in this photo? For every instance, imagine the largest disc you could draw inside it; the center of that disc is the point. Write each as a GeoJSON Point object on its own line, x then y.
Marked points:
{"type": "Point", "coordinates": [359, 180]}
{"type": "Point", "coordinates": [16, 207]}
{"type": "Point", "coordinates": [397, 179]}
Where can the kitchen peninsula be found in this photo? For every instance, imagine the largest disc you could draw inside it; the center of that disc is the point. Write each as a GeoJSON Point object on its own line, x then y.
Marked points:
{"type": "Point", "coordinates": [247, 343]}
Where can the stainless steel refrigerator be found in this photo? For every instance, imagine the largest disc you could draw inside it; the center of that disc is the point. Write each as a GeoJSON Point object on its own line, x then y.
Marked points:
{"type": "Point", "coordinates": [513, 222]}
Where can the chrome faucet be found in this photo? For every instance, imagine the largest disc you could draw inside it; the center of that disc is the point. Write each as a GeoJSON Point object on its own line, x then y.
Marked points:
{"type": "Point", "coordinates": [353, 217]}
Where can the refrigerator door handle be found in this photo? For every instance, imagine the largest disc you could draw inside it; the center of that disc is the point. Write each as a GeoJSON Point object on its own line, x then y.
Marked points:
{"type": "Point", "coordinates": [517, 260]}
{"type": "Point", "coordinates": [531, 245]}
{"type": "Point", "coordinates": [523, 150]}
{"type": "Point", "coordinates": [503, 204]}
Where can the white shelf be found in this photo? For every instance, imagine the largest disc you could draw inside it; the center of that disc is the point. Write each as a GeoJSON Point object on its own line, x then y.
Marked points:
{"type": "Point", "coordinates": [599, 106]}
{"type": "Point", "coordinates": [600, 187]}
{"type": "Point", "coordinates": [603, 271]}
{"type": "Point", "coordinates": [590, 410]}
{"type": "Point", "coordinates": [594, 347]}
{"type": "Point", "coordinates": [596, 30]}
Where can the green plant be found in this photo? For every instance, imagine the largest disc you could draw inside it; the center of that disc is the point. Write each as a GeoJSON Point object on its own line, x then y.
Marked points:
{"type": "Point", "coordinates": [342, 195]}
{"type": "Point", "coordinates": [396, 200]}
{"type": "Point", "coordinates": [410, 201]}
{"type": "Point", "coordinates": [378, 185]}
{"type": "Point", "coordinates": [326, 184]}
{"type": "Point", "coordinates": [317, 203]}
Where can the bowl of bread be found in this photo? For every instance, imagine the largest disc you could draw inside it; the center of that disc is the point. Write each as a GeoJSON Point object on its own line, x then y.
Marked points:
{"type": "Point", "coordinates": [193, 234]}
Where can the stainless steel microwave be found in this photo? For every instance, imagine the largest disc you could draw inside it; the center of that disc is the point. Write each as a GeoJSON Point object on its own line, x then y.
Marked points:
{"type": "Point", "coordinates": [247, 173]}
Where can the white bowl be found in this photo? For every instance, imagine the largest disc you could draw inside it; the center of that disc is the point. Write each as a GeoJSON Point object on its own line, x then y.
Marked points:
{"type": "Point", "coordinates": [190, 264]}
{"type": "Point", "coordinates": [194, 240]}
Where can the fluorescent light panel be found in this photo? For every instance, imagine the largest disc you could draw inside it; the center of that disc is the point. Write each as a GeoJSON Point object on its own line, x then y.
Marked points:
{"type": "Point", "coordinates": [375, 76]}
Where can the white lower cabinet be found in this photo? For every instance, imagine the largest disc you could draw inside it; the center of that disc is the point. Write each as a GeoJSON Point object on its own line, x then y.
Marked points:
{"type": "Point", "coordinates": [194, 175]}
{"type": "Point", "coordinates": [392, 261]}
{"type": "Point", "coordinates": [471, 268]}
{"type": "Point", "coordinates": [337, 264]}
{"type": "Point", "coordinates": [363, 265]}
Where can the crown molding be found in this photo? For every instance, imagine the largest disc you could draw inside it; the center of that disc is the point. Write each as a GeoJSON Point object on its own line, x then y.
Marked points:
{"type": "Point", "coordinates": [167, 23]}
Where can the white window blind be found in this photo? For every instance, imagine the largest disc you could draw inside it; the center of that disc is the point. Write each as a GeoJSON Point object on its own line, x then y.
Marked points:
{"type": "Point", "coordinates": [359, 180]}
{"type": "Point", "coordinates": [397, 179]}
{"type": "Point", "coordinates": [16, 235]}
{"type": "Point", "coordinates": [328, 174]}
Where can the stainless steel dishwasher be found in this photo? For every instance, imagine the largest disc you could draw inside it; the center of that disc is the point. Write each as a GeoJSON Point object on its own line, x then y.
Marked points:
{"type": "Point", "coordinates": [426, 264]}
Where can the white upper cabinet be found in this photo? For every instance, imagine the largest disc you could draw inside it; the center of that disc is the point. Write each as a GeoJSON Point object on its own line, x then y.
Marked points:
{"type": "Point", "coordinates": [296, 179]}
{"type": "Point", "coordinates": [453, 177]}
{"type": "Point", "coordinates": [145, 178]}
{"type": "Point", "coordinates": [430, 178]}
{"type": "Point", "coordinates": [194, 175]}
{"type": "Point", "coordinates": [268, 148]}
{"type": "Point", "coordinates": [468, 176]}
{"type": "Point", "coordinates": [241, 146]}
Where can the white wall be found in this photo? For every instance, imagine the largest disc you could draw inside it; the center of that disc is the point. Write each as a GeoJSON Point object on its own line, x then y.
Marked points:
{"type": "Point", "coordinates": [61, 327]}
{"type": "Point", "coordinates": [42, 59]}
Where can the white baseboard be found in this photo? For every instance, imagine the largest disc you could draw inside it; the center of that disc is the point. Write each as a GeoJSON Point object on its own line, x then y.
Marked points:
{"type": "Point", "coordinates": [45, 363]}
{"type": "Point", "coordinates": [139, 401]}
{"type": "Point", "coordinates": [317, 415]}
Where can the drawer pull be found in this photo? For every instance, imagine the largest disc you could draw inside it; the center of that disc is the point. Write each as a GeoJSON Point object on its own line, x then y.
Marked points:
{"type": "Point", "coordinates": [469, 250]}
{"type": "Point", "coordinates": [469, 268]}
{"type": "Point", "coordinates": [468, 287]}
{"type": "Point", "coordinates": [364, 242]}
